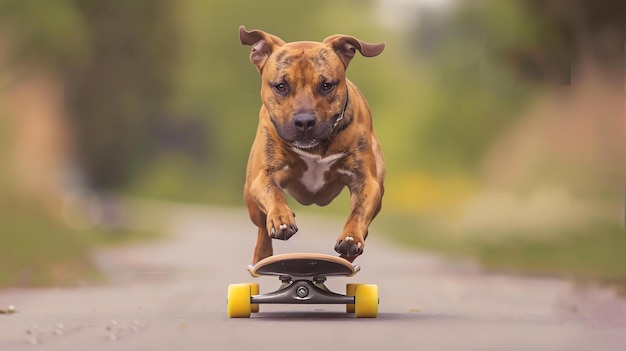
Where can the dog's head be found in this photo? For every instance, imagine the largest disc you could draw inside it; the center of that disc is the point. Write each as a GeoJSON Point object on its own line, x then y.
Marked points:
{"type": "Point", "coordinates": [304, 83]}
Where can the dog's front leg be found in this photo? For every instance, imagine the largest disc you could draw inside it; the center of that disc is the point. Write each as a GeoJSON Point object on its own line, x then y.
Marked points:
{"type": "Point", "coordinates": [269, 211]}
{"type": "Point", "coordinates": [365, 201]}
{"type": "Point", "coordinates": [280, 220]}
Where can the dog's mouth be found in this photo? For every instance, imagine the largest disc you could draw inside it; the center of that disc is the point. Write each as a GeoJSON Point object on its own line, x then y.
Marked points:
{"type": "Point", "coordinates": [304, 145]}
{"type": "Point", "coordinates": [303, 140]}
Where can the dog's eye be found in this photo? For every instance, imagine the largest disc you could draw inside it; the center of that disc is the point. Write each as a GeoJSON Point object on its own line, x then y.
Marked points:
{"type": "Point", "coordinates": [280, 88]}
{"type": "Point", "coordinates": [327, 87]}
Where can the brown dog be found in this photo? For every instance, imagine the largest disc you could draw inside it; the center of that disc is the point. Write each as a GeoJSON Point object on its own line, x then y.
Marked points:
{"type": "Point", "coordinates": [314, 137]}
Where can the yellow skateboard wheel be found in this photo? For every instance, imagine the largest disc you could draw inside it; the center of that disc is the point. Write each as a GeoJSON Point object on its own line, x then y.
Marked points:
{"type": "Point", "coordinates": [239, 301]}
{"type": "Point", "coordinates": [366, 301]}
{"type": "Point", "coordinates": [350, 291]}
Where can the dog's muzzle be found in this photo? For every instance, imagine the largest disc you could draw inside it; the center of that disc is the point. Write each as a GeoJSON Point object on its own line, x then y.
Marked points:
{"type": "Point", "coordinates": [305, 131]}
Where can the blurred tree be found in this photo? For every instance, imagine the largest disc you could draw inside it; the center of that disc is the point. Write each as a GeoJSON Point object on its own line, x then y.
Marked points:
{"type": "Point", "coordinates": [116, 59]}
{"type": "Point", "coordinates": [48, 33]}
{"type": "Point", "coordinates": [577, 30]}
{"type": "Point", "coordinates": [474, 96]}
{"type": "Point", "coordinates": [126, 82]}
{"type": "Point", "coordinates": [487, 58]}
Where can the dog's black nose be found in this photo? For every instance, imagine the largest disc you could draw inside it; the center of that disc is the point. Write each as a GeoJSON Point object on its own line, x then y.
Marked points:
{"type": "Point", "coordinates": [304, 121]}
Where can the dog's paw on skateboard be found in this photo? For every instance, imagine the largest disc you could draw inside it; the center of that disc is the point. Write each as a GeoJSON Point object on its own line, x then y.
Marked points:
{"type": "Point", "coordinates": [281, 227]}
{"type": "Point", "coordinates": [349, 247]}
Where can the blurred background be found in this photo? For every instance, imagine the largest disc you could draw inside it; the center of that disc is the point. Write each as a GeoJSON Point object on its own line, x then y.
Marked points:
{"type": "Point", "coordinates": [502, 123]}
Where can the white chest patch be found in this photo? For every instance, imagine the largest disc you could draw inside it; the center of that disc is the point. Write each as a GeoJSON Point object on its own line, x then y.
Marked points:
{"type": "Point", "coordinates": [313, 177]}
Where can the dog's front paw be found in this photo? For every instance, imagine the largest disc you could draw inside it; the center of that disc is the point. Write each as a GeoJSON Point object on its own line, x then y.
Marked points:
{"type": "Point", "coordinates": [281, 226]}
{"type": "Point", "coordinates": [349, 247]}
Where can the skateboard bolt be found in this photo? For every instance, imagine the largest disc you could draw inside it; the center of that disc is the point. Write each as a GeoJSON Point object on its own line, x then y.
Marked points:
{"type": "Point", "coordinates": [302, 291]}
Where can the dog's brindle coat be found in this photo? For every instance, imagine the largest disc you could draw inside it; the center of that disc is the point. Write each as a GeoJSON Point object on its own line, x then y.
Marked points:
{"type": "Point", "coordinates": [314, 137]}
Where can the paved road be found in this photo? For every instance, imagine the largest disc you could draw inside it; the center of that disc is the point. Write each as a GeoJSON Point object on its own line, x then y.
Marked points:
{"type": "Point", "coordinates": [170, 295]}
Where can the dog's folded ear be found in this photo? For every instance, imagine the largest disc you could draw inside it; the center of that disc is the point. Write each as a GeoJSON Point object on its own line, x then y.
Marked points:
{"type": "Point", "coordinates": [346, 46]}
{"type": "Point", "coordinates": [262, 45]}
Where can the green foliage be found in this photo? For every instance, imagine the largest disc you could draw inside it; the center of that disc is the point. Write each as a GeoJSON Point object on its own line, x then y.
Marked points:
{"type": "Point", "coordinates": [591, 252]}
{"type": "Point", "coordinates": [512, 24]}
{"type": "Point", "coordinates": [474, 96]}
{"type": "Point", "coordinates": [45, 32]}
{"type": "Point", "coordinates": [595, 251]}
{"type": "Point", "coordinates": [177, 178]}
{"type": "Point", "coordinates": [37, 251]}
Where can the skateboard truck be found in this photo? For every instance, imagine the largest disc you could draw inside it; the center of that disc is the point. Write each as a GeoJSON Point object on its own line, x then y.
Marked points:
{"type": "Point", "coordinates": [302, 291]}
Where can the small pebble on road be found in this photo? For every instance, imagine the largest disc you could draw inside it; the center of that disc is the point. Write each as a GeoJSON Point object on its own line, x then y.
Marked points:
{"type": "Point", "coordinates": [8, 310]}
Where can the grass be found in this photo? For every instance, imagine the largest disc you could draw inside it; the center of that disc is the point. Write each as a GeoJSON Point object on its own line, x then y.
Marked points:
{"type": "Point", "coordinates": [38, 251]}
{"type": "Point", "coordinates": [592, 253]}
{"type": "Point", "coordinates": [595, 252]}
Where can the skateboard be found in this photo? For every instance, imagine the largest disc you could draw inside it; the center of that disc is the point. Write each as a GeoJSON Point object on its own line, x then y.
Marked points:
{"type": "Point", "coordinates": [302, 276]}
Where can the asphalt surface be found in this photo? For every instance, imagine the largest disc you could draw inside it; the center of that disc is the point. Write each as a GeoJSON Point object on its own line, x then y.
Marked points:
{"type": "Point", "coordinates": [171, 295]}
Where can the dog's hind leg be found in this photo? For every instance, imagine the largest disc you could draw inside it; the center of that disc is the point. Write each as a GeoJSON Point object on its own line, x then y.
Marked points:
{"type": "Point", "coordinates": [263, 247]}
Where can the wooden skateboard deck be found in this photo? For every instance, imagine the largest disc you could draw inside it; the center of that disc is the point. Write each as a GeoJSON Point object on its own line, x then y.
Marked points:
{"type": "Point", "coordinates": [303, 265]}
